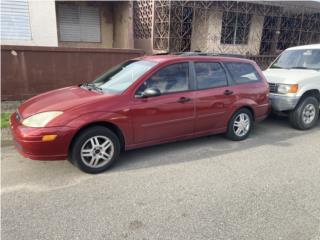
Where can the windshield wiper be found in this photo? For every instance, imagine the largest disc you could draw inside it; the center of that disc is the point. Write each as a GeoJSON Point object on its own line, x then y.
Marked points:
{"type": "Point", "coordinates": [300, 67]}
{"type": "Point", "coordinates": [275, 66]}
{"type": "Point", "coordinates": [91, 86]}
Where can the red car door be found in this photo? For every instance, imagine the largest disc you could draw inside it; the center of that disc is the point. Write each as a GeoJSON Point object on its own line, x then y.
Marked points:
{"type": "Point", "coordinates": [169, 115]}
{"type": "Point", "coordinates": [214, 98]}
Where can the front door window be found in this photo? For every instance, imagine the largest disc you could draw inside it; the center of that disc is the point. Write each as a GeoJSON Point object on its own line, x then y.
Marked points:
{"type": "Point", "coordinates": [170, 79]}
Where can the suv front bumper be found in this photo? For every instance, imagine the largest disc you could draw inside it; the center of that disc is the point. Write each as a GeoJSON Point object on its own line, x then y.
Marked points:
{"type": "Point", "coordinates": [282, 102]}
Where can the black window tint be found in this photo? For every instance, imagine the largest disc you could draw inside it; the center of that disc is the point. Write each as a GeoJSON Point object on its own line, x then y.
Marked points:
{"type": "Point", "coordinates": [242, 72]}
{"type": "Point", "coordinates": [210, 75]}
{"type": "Point", "coordinates": [172, 78]}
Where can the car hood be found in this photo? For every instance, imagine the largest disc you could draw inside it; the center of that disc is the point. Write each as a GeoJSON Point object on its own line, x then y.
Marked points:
{"type": "Point", "coordinates": [289, 76]}
{"type": "Point", "coordinates": [58, 100]}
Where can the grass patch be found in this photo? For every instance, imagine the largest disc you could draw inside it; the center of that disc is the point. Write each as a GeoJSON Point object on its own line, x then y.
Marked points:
{"type": "Point", "coordinates": [5, 119]}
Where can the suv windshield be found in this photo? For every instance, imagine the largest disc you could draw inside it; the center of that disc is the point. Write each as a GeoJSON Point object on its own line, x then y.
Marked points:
{"type": "Point", "coordinates": [120, 77]}
{"type": "Point", "coordinates": [298, 59]}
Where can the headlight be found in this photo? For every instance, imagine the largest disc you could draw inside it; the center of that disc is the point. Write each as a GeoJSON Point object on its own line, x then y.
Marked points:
{"type": "Point", "coordinates": [287, 88]}
{"type": "Point", "coordinates": [40, 119]}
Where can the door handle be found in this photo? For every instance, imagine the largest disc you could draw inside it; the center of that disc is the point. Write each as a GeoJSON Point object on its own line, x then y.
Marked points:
{"type": "Point", "coordinates": [184, 100]}
{"type": "Point", "coordinates": [228, 92]}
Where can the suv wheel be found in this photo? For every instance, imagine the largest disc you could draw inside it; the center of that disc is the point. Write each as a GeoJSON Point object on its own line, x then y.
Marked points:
{"type": "Point", "coordinates": [95, 149]}
{"type": "Point", "coordinates": [306, 114]}
{"type": "Point", "coordinates": [240, 125]}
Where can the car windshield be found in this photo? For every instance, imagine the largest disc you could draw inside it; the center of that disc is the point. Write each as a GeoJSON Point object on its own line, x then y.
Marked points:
{"type": "Point", "coordinates": [120, 77]}
{"type": "Point", "coordinates": [298, 59]}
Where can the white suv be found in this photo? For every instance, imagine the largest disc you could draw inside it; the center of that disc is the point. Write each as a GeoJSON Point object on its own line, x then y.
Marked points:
{"type": "Point", "coordinates": [294, 81]}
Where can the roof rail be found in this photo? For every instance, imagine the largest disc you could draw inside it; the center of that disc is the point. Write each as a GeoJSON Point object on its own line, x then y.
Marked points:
{"type": "Point", "coordinates": [199, 53]}
{"type": "Point", "coordinates": [161, 53]}
{"type": "Point", "coordinates": [205, 54]}
{"type": "Point", "coordinates": [212, 54]}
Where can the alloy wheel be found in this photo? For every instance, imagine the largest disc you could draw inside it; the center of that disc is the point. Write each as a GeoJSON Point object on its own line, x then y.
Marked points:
{"type": "Point", "coordinates": [241, 125]}
{"type": "Point", "coordinates": [97, 151]}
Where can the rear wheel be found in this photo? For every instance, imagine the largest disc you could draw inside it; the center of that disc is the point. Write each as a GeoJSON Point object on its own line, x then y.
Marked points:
{"type": "Point", "coordinates": [95, 149]}
{"type": "Point", "coordinates": [240, 125]}
{"type": "Point", "coordinates": [306, 114]}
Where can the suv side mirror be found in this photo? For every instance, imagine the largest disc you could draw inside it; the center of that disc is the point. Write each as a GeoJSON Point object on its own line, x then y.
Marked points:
{"type": "Point", "coordinates": [151, 92]}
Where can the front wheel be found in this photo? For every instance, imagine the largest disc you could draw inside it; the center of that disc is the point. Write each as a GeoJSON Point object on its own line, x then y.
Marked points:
{"type": "Point", "coordinates": [240, 125]}
{"type": "Point", "coordinates": [306, 114]}
{"type": "Point", "coordinates": [95, 149]}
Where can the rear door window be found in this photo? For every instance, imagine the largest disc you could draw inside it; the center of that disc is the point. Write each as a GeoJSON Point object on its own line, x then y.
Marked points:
{"type": "Point", "coordinates": [242, 72]}
{"type": "Point", "coordinates": [210, 75]}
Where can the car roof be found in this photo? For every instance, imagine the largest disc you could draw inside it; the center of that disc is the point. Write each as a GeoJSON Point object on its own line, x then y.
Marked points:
{"type": "Point", "coordinates": [311, 46]}
{"type": "Point", "coordinates": [172, 58]}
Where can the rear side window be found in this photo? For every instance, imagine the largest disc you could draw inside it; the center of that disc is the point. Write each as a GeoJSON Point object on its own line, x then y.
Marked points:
{"type": "Point", "coordinates": [210, 75]}
{"type": "Point", "coordinates": [243, 72]}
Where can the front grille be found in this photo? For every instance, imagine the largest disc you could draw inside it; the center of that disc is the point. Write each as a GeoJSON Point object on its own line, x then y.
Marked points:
{"type": "Point", "coordinates": [273, 87]}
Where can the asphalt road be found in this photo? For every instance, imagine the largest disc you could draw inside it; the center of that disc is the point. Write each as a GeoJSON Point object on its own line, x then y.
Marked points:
{"type": "Point", "coordinates": [267, 187]}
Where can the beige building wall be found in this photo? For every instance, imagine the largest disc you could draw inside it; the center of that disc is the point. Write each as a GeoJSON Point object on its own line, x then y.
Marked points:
{"type": "Point", "coordinates": [123, 25]}
{"type": "Point", "coordinates": [106, 24]}
{"type": "Point", "coordinates": [145, 44]}
{"type": "Point", "coordinates": [206, 34]}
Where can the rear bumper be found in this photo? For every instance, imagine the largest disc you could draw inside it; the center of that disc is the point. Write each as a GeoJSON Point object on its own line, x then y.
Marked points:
{"type": "Point", "coordinates": [283, 103]}
{"type": "Point", "coordinates": [262, 111]}
{"type": "Point", "coordinates": [28, 141]}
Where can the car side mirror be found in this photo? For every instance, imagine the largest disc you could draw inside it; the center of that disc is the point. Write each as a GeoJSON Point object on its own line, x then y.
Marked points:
{"type": "Point", "coordinates": [151, 92]}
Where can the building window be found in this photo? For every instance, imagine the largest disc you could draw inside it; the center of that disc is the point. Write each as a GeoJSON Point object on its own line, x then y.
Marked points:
{"type": "Point", "coordinates": [78, 23]}
{"type": "Point", "coordinates": [15, 22]}
{"type": "Point", "coordinates": [235, 28]}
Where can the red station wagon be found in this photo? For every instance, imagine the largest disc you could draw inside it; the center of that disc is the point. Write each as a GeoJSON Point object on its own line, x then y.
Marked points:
{"type": "Point", "coordinates": [144, 101]}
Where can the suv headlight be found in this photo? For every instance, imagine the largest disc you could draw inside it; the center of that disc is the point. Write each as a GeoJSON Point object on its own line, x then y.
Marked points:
{"type": "Point", "coordinates": [287, 88]}
{"type": "Point", "coordinates": [41, 119]}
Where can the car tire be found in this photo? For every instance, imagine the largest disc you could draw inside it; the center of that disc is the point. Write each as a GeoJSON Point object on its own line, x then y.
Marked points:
{"type": "Point", "coordinates": [240, 125]}
{"type": "Point", "coordinates": [95, 149]}
{"type": "Point", "coordinates": [306, 114]}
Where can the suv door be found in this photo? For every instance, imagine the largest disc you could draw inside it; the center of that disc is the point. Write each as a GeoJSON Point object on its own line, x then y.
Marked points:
{"type": "Point", "coordinates": [169, 115]}
{"type": "Point", "coordinates": [214, 97]}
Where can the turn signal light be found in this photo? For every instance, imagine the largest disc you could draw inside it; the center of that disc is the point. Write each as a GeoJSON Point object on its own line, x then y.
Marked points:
{"type": "Point", "coordinates": [294, 88]}
{"type": "Point", "coordinates": [48, 138]}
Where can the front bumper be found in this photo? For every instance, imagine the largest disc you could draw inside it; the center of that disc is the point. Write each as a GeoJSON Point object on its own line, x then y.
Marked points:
{"type": "Point", "coordinates": [282, 102]}
{"type": "Point", "coordinates": [28, 141]}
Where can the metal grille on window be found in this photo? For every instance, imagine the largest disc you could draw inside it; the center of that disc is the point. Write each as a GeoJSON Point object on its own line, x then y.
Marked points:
{"type": "Point", "coordinates": [259, 30]}
{"type": "Point", "coordinates": [142, 19]}
{"type": "Point", "coordinates": [79, 23]}
{"type": "Point", "coordinates": [235, 28]}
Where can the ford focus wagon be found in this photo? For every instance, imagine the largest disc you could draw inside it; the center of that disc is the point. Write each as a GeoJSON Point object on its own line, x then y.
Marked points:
{"type": "Point", "coordinates": [144, 101]}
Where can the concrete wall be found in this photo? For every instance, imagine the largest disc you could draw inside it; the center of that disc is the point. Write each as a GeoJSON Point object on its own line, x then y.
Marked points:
{"type": "Point", "coordinates": [206, 34]}
{"type": "Point", "coordinates": [27, 71]}
{"type": "Point", "coordinates": [42, 24]}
